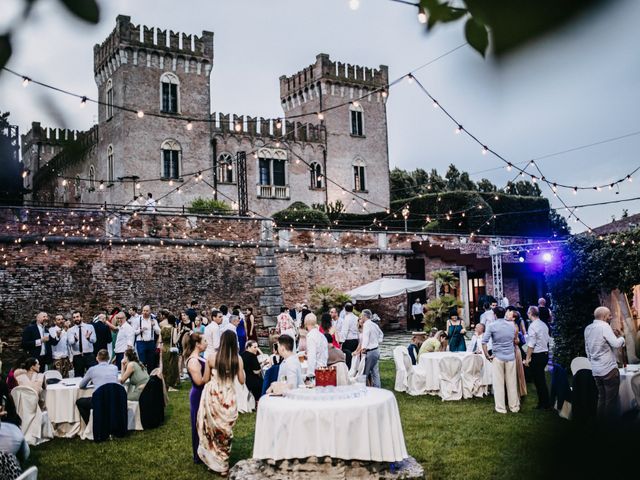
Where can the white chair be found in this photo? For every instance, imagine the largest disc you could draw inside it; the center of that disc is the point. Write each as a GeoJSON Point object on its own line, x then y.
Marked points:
{"type": "Point", "coordinates": [450, 378]}
{"type": "Point", "coordinates": [342, 373]}
{"type": "Point", "coordinates": [416, 379]}
{"type": "Point", "coordinates": [357, 368]}
{"type": "Point", "coordinates": [244, 398]}
{"type": "Point", "coordinates": [402, 380]}
{"type": "Point", "coordinates": [580, 363]}
{"type": "Point", "coordinates": [36, 426]}
{"type": "Point", "coordinates": [52, 374]}
{"type": "Point", "coordinates": [471, 374]}
{"type": "Point", "coordinates": [133, 415]}
{"type": "Point", "coordinates": [30, 473]}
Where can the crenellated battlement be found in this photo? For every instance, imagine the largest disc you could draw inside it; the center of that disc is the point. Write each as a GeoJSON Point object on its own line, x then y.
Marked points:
{"type": "Point", "coordinates": [128, 39]}
{"type": "Point", "coordinates": [337, 72]}
{"type": "Point", "coordinates": [49, 136]}
{"type": "Point", "coordinates": [266, 127]}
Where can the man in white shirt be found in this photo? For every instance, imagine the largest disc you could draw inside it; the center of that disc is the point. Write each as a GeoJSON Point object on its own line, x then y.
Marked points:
{"type": "Point", "coordinates": [81, 338]}
{"type": "Point", "coordinates": [125, 339]}
{"type": "Point", "coordinates": [225, 316]}
{"type": "Point", "coordinates": [417, 313]}
{"type": "Point", "coordinates": [488, 316]}
{"type": "Point", "coordinates": [475, 345]}
{"type": "Point", "coordinates": [60, 347]}
{"type": "Point", "coordinates": [371, 338]}
{"type": "Point", "coordinates": [147, 332]}
{"type": "Point", "coordinates": [212, 332]}
{"type": "Point", "coordinates": [538, 355]}
{"type": "Point", "coordinates": [600, 343]}
{"type": "Point", "coordinates": [150, 204]}
{"type": "Point", "coordinates": [317, 345]}
{"type": "Point", "coordinates": [290, 369]}
{"type": "Point", "coordinates": [349, 330]}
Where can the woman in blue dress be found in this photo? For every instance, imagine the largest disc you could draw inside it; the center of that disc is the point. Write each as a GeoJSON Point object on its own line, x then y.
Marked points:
{"type": "Point", "coordinates": [455, 332]}
{"type": "Point", "coordinates": [199, 373]}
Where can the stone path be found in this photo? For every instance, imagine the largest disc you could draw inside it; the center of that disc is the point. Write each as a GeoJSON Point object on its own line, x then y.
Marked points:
{"type": "Point", "coordinates": [391, 341]}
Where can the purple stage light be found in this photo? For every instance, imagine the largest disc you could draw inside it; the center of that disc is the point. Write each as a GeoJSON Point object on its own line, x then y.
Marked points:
{"type": "Point", "coordinates": [547, 257]}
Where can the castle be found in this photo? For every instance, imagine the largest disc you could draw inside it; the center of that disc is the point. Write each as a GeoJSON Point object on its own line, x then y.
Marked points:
{"type": "Point", "coordinates": [156, 133]}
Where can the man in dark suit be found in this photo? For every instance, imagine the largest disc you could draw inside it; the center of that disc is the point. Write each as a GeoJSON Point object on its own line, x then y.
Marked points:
{"type": "Point", "coordinates": [103, 333]}
{"type": "Point", "coordinates": [35, 340]}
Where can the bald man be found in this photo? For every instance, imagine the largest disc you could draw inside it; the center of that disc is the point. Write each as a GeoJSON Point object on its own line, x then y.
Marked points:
{"type": "Point", "coordinates": [600, 343]}
{"type": "Point", "coordinates": [35, 340]}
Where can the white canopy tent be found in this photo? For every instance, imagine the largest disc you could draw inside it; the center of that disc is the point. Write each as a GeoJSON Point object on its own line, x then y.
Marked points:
{"type": "Point", "coordinates": [387, 287]}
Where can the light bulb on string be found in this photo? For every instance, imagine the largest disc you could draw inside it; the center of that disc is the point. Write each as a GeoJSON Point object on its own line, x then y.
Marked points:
{"type": "Point", "coordinates": [509, 166]}
{"type": "Point", "coordinates": [140, 114]}
{"type": "Point", "coordinates": [138, 185]}
{"type": "Point", "coordinates": [83, 102]}
{"type": "Point", "coordinates": [238, 127]}
{"type": "Point", "coordinates": [355, 103]}
{"type": "Point", "coordinates": [459, 129]}
{"type": "Point", "coordinates": [354, 4]}
{"type": "Point", "coordinates": [629, 178]}
{"type": "Point", "coordinates": [422, 15]}
{"type": "Point", "coordinates": [485, 149]}
{"type": "Point", "coordinates": [101, 185]}
{"type": "Point", "coordinates": [435, 104]}
{"type": "Point", "coordinates": [320, 116]}
{"type": "Point", "coordinates": [25, 81]}
{"type": "Point", "coordinates": [575, 190]}
{"type": "Point", "coordinates": [278, 123]}
{"type": "Point", "coordinates": [171, 183]}
{"type": "Point", "coordinates": [189, 126]}
{"type": "Point", "coordinates": [384, 93]}
{"type": "Point", "coordinates": [410, 78]}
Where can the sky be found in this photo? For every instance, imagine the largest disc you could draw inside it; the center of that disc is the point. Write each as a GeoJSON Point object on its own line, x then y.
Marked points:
{"type": "Point", "coordinates": [578, 86]}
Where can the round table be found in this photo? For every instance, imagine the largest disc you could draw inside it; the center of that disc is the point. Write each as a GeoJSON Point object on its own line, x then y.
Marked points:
{"type": "Point", "coordinates": [365, 428]}
{"type": "Point", "coordinates": [627, 398]}
{"type": "Point", "coordinates": [61, 405]}
{"type": "Point", "coordinates": [429, 363]}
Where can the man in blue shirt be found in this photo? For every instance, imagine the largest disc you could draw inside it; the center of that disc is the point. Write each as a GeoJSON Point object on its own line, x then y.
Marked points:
{"type": "Point", "coordinates": [502, 334]}
{"type": "Point", "coordinates": [98, 375]}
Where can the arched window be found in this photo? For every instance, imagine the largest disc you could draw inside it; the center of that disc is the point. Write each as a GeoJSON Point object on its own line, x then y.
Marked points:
{"type": "Point", "coordinates": [226, 171]}
{"type": "Point", "coordinates": [169, 93]}
{"type": "Point", "coordinates": [171, 153]}
{"type": "Point", "coordinates": [109, 99]}
{"type": "Point", "coordinates": [92, 178]}
{"type": "Point", "coordinates": [359, 176]}
{"type": "Point", "coordinates": [110, 171]}
{"type": "Point", "coordinates": [272, 173]}
{"type": "Point", "coordinates": [316, 175]}
{"type": "Point", "coordinates": [356, 120]}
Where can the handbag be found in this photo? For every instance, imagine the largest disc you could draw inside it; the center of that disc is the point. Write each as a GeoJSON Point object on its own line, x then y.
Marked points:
{"type": "Point", "coordinates": [326, 376]}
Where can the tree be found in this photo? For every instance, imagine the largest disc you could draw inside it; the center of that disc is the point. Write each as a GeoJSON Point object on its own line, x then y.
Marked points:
{"type": "Point", "coordinates": [558, 224]}
{"type": "Point", "coordinates": [402, 183]}
{"type": "Point", "coordinates": [525, 189]}
{"type": "Point", "coordinates": [486, 186]}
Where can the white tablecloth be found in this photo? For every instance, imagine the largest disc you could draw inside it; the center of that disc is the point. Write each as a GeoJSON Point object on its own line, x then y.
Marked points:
{"type": "Point", "coordinates": [366, 428]}
{"type": "Point", "coordinates": [627, 398]}
{"type": "Point", "coordinates": [61, 405]}
{"type": "Point", "coordinates": [429, 364]}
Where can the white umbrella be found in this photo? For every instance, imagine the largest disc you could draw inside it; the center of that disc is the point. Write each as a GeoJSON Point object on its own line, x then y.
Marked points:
{"type": "Point", "coordinates": [387, 287]}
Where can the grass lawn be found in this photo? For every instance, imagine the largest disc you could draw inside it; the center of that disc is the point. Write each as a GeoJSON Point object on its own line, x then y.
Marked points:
{"type": "Point", "coordinates": [464, 439]}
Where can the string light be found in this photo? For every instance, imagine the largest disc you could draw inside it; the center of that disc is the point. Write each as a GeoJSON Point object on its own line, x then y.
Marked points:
{"type": "Point", "coordinates": [189, 125]}
{"type": "Point", "coordinates": [101, 185]}
{"type": "Point", "coordinates": [25, 81]}
{"type": "Point", "coordinates": [83, 102]}
{"type": "Point", "coordinates": [140, 114]}
{"type": "Point", "coordinates": [485, 149]}
{"type": "Point", "coordinates": [278, 123]}
{"type": "Point", "coordinates": [459, 129]}
{"type": "Point", "coordinates": [410, 78]}
{"type": "Point", "coordinates": [422, 15]}
{"type": "Point", "coordinates": [320, 116]}
{"type": "Point", "coordinates": [354, 4]}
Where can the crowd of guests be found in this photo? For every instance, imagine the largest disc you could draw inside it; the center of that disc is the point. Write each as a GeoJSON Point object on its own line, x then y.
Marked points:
{"type": "Point", "coordinates": [517, 345]}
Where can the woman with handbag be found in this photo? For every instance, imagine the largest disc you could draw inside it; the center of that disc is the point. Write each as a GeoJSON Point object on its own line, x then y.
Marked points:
{"type": "Point", "coordinates": [455, 332]}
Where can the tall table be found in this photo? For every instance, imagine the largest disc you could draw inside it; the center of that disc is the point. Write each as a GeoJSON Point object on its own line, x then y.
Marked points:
{"type": "Point", "coordinates": [350, 423]}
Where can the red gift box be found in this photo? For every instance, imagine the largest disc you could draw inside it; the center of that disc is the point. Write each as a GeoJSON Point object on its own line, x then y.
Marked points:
{"type": "Point", "coordinates": [326, 376]}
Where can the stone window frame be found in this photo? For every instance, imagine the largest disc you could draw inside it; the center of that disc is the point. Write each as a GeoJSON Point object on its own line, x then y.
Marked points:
{"type": "Point", "coordinates": [109, 99]}
{"type": "Point", "coordinates": [171, 79]}
{"type": "Point", "coordinates": [173, 145]}
{"type": "Point", "coordinates": [92, 178]}
{"type": "Point", "coordinates": [316, 176]}
{"type": "Point", "coordinates": [353, 130]}
{"type": "Point", "coordinates": [272, 154]}
{"type": "Point", "coordinates": [225, 160]}
{"type": "Point", "coordinates": [359, 170]}
{"type": "Point", "coordinates": [110, 166]}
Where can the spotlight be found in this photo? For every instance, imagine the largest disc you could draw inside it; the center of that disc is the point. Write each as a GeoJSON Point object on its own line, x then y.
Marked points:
{"type": "Point", "coordinates": [547, 257]}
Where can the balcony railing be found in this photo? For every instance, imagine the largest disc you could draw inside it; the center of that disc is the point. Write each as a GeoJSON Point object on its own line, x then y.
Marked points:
{"type": "Point", "coordinates": [280, 192]}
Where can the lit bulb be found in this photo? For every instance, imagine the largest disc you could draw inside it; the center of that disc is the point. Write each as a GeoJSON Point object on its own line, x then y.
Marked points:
{"type": "Point", "coordinates": [138, 185]}
{"type": "Point", "coordinates": [629, 178]}
{"type": "Point", "coordinates": [238, 127]}
{"type": "Point", "coordinates": [459, 129]}
{"type": "Point", "coordinates": [356, 103]}
{"type": "Point", "coordinates": [140, 114]}
{"type": "Point", "coordinates": [610, 186]}
{"type": "Point", "coordinates": [509, 167]}
{"type": "Point", "coordinates": [485, 149]}
{"type": "Point", "coordinates": [320, 116]}
{"type": "Point", "coordinates": [171, 183]}
{"type": "Point", "coordinates": [25, 81]}
{"type": "Point", "coordinates": [24, 174]}
{"type": "Point", "coordinates": [554, 188]}
{"type": "Point", "coordinates": [410, 78]}
{"type": "Point", "coordinates": [534, 178]}
{"type": "Point", "coordinates": [599, 189]}
{"type": "Point", "coordinates": [422, 16]}
{"type": "Point", "coordinates": [575, 190]}
{"type": "Point", "coordinates": [278, 123]}
{"type": "Point", "coordinates": [277, 144]}
{"type": "Point", "coordinates": [83, 102]}
{"type": "Point", "coordinates": [101, 185]}
{"type": "Point", "coordinates": [384, 94]}
{"type": "Point", "coordinates": [435, 104]}
{"type": "Point", "coordinates": [354, 4]}
{"type": "Point", "coordinates": [189, 126]}
{"type": "Point", "coordinates": [178, 190]}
